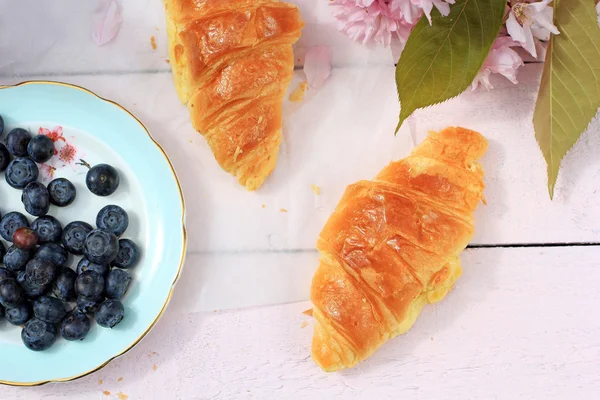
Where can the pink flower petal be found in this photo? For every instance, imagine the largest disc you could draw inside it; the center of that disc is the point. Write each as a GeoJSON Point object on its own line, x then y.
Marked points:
{"type": "Point", "coordinates": [107, 24]}
{"type": "Point", "coordinates": [317, 65]}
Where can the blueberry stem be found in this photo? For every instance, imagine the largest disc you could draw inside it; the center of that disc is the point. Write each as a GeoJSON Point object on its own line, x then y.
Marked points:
{"type": "Point", "coordinates": [84, 163]}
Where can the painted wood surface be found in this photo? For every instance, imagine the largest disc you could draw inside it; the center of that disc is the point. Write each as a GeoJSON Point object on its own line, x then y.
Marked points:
{"type": "Point", "coordinates": [521, 323]}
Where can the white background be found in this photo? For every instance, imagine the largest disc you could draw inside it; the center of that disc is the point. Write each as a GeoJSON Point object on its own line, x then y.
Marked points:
{"type": "Point", "coordinates": [521, 323]}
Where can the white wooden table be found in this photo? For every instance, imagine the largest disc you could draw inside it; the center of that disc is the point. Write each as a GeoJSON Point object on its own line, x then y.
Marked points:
{"type": "Point", "coordinates": [522, 323]}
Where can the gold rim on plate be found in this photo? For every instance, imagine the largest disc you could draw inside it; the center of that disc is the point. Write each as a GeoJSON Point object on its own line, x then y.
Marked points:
{"type": "Point", "coordinates": [182, 258]}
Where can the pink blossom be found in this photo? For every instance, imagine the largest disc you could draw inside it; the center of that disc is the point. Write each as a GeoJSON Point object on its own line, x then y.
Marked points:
{"type": "Point", "coordinates": [370, 20]}
{"type": "Point", "coordinates": [55, 134]}
{"type": "Point", "coordinates": [381, 20]}
{"type": "Point", "coordinates": [530, 21]}
{"type": "Point", "coordinates": [500, 60]}
{"type": "Point", "coordinates": [47, 171]}
{"type": "Point", "coordinates": [317, 65]}
{"type": "Point", "coordinates": [107, 23]}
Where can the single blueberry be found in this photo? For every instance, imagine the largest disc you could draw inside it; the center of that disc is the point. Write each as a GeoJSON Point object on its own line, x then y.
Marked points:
{"type": "Point", "coordinates": [48, 229]}
{"type": "Point", "coordinates": [20, 314]}
{"type": "Point", "coordinates": [20, 172]}
{"type": "Point", "coordinates": [16, 259]}
{"type": "Point", "coordinates": [40, 148]}
{"type": "Point", "coordinates": [128, 255]}
{"type": "Point", "coordinates": [62, 192]}
{"type": "Point", "coordinates": [38, 335]}
{"type": "Point", "coordinates": [102, 180]}
{"type": "Point", "coordinates": [36, 199]}
{"type": "Point", "coordinates": [11, 293]}
{"type": "Point", "coordinates": [31, 290]}
{"type": "Point", "coordinates": [10, 223]}
{"type": "Point", "coordinates": [53, 253]}
{"type": "Point", "coordinates": [110, 313]}
{"type": "Point", "coordinates": [114, 219]}
{"type": "Point", "coordinates": [117, 283]}
{"type": "Point", "coordinates": [101, 247]}
{"type": "Point", "coordinates": [49, 309]}
{"type": "Point", "coordinates": [74, 235]}
{"type": "Point", "coordinates": [64, 285]}
{"type": "Point", "coordinates": [17, 141]}
{"type": "Point", "coordinates": [41, 272]}
{"type": "Point", "coordinates": [75, 326]}
{"type": "Point", "coordinates": [5, 273]}
{"type": "Point", "coordinates": [89, 284]}
{"type": "Point", "coordinates": [86, 265]}
{"type": "Point", "coordinates": [4, 157]}
{"type": "Point", "coordinates": [87, 305]}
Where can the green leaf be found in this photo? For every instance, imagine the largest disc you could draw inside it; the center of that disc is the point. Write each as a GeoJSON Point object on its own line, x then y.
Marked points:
{"type": "Point", "coordinates": [440, 61]}
{"type": "Point", "coordinates": [569, 94]}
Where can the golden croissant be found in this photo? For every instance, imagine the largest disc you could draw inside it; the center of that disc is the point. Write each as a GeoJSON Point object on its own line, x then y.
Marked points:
{"type": "Point", "coordinates": [232, 63]}
{"type": "Point", "coordinates": [392, 246]}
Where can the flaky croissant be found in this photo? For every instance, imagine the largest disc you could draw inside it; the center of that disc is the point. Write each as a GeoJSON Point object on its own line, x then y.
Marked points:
{"type": "Point", "coordinates": [232, 63]}
{"type": "Point", "coordinates": [392, 246]}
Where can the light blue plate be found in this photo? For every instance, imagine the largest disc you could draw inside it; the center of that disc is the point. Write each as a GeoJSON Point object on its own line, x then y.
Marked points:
{"type": "Point", "coordinates": [99, 131]}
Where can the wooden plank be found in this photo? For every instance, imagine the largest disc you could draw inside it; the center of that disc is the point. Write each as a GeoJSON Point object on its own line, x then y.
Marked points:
{"type": "Point", "coordinates": [520, 324]}
{"type": "Point", "coordinates": [338, 135]}
{"type": "Point", "coordinates": [344, 133]}
{"type": "Point", "coordinates": [57, 39]}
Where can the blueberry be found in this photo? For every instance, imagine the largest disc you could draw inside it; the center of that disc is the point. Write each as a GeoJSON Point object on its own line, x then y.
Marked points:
{"type": "Point", "coordinates": [87, 305]}
{"type": "Point", "coordinates": [117, 283]}
{"type": "Point", "coordinates": [53, 253]}
{"type": "Point", "coordinates": [1, 125]}
{"type": "Point", "coordinates": [86, 265]}
{"type": "Point", "coordinates": [110, 313]}
{"type": "Point", "coordinates": [31, 290]}
{"type": "Point", "coordinates": [89, 284]}
{"type": "Point", "coordinates": [73, 236]}
{"type": "Point", "coordinates": [64, 285]}
{"type": "Point", "coordinates": [17, 141]}
{"type": "Point", "coordinates": [128, 254]}
{"type": "Point", "coordinates": [20, 314]}
{"type": "Point", "coordinates": [101, 247]}
{"type": "Point", "coordinates": [62, 192]}
{"type": "Point", "coordinates": [41, 272]}
{"type": "Point", "coordinates": [4, 273]}
{"type": "Point", "coordinates": [11, 293]}
{"type": "Point", "coordinates": [75, 326]}
{"type": "Point", "coordinates": [25, 238]}
{"type": "Point", "coordinates": [36, 199]}
{"type": "Point", "coordinates": [102, 180]}
{"type": "Point", "coordinates": [38, 335]}
{"type": "Point", "coordinates": [10, 223]}
{"type": "Point", "coordinates": [49, 309]}
{"type": "Point", "coordinates": [4, 157]}
{"type": "Point", "coordinates": [40, 148]}
{"type": "Point", "coordinates": [15, 259]}
{"type": "Point", "coordinates": [48, 229]}
{"type": "Point", "coordinates": [20, 172]}
{"type": "Point", "coordinates": [114, 219]}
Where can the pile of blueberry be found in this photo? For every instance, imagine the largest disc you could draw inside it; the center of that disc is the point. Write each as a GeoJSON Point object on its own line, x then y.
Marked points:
{"type": "Point", "coordinates": [38, 289]}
